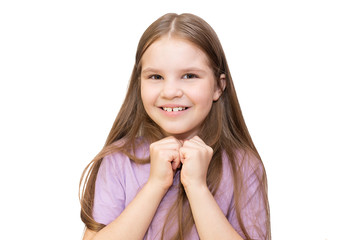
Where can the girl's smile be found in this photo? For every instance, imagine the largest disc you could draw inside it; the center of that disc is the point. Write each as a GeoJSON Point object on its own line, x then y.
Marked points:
{"type": "Point", "coordinates": [178, 86]}
{"type": "Point", "coordinates": [173, 110]}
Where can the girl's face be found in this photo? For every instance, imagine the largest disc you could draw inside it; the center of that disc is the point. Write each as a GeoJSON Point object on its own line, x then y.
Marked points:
{"type": "Point", "coordinates": [177, 86]}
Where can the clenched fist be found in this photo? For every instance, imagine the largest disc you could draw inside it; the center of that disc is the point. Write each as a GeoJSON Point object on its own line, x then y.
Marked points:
{"type": "Point", "coordinates": [195, 157]}
{"type": "Point", "coordinates": [165, 159]}
{"type": "Point", "coordinates": [169, 153]}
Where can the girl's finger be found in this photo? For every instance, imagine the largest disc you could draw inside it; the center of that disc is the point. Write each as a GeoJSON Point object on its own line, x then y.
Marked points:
{"type": "Point", "coordinates": [169, 140]}
{"type": "Point", "coordinates": [198, 139]}
{"type": "Point", "coordinates": [170, 146]}
{"type": "Point", "coordinates": [183, 153]}
{"type": "Point", "coordinates": [175, 161]}
{"type": "Point", "coordinates": [194, 143]}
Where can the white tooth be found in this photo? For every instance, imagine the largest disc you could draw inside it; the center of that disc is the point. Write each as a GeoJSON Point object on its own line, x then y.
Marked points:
{"type": "Point", "coordinates": [176, 109]}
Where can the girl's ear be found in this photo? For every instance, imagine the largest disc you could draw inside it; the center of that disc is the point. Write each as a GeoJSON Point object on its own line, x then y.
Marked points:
{"type": "Point", "coordinates": [219, 89]}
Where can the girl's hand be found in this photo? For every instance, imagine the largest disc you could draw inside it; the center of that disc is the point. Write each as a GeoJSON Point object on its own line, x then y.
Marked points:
{"type": "Point", "coordinates": [195, 156]}
{"type": "Point", "coordinates": [165, 159]}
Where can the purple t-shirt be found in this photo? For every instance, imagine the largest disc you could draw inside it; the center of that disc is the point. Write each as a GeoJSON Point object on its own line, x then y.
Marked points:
{"type": "Point", "coordinates": [119, 180]}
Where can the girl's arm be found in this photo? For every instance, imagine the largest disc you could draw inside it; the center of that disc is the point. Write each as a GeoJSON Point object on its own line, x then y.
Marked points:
{"type": "Point", "coordinates": [135, 219]}
{"type": "Point", "coordinates": [210, 221]}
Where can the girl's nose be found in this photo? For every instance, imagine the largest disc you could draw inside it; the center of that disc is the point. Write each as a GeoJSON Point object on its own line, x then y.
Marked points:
{"type": "Point", "coordinates": [171, 89]}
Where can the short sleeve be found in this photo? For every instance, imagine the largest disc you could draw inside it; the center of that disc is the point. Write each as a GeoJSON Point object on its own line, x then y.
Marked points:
{"type": "Point", "coordinates": [109, 200]}
{"type": "Point", "coordinates": [253, 202]}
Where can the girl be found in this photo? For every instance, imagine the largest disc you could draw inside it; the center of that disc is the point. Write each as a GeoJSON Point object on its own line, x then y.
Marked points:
{"type": "Point", "coordinates": [179, 162]}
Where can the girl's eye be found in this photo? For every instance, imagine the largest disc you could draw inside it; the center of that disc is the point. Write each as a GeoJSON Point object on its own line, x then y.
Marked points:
{"type": "Point", "coordinates": [189, 76]}
{"type": "Point", "coordinates": [155, 77]}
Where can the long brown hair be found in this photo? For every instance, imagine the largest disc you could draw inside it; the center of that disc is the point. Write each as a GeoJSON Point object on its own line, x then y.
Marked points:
{"type": "Point", "coordinates": [223, 129]}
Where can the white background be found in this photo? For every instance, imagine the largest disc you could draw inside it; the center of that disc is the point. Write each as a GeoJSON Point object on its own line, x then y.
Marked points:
{"type": "Point", "coordinates": [64, 68]}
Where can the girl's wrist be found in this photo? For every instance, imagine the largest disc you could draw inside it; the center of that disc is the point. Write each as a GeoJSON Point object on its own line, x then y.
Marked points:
{"type": "Point", "coordinates": [159, 188]}
{"type": "Point", "coordinates": [195, 187]}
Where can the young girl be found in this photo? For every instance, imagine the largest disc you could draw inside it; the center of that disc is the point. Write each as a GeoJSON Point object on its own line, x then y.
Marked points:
{"type": "Point", "coordinates": [179, 162]}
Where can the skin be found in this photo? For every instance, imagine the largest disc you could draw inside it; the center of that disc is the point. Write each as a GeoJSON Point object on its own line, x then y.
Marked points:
{"type": "Point", "coordinates": [176, 73]}
{"type": "Point", "coordinates": [184, 80]}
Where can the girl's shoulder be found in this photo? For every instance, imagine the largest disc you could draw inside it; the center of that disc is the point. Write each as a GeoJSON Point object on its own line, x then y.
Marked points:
{"type": "Point", "coordinates": [245, 162]}
{"type": "Point", "coordinates": [122, 149]}
{"type": "Point", "coordinates": [119, 164]}
{"type": "Point", "coordinates": [119, 156]}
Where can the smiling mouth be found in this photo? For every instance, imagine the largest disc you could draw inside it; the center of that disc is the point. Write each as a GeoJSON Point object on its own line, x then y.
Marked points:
{"type": "Point", "coordinates": [175, 109]}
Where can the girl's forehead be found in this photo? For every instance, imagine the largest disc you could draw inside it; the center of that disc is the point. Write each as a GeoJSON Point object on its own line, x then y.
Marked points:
{"type": "Point", "coordinates": [173, 51]}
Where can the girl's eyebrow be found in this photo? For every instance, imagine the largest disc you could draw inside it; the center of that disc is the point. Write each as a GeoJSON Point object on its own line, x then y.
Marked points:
{"type": "Point", "coordinates": [149, 69]}
{"type": "Point", "coordinates": [193, 69]}
{"type": "Point", "coordinates": [185, 70]}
